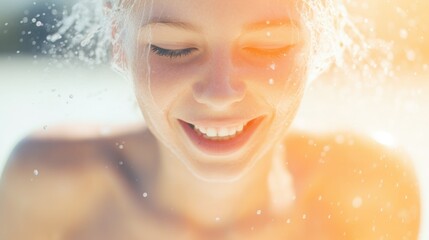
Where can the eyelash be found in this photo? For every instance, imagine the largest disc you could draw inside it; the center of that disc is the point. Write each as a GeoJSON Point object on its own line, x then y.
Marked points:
{"type": "Point", "coordinates": [187, 51]}
{"type": "Point", "coordinates": [275, 52]}
{"type": "Point", "coordinates": [171, 53]}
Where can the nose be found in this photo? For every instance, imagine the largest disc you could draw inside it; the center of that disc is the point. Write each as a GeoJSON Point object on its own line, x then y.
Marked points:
{"type": "Point", "coordinates": [221, 86]}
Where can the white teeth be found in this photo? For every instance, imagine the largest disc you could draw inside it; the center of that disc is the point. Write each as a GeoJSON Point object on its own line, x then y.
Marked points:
{"type": "Point", "coordinates": [231, 131]}
{"type": "Point", "coordinates": [220, 132]}
{"type": "Point", "coordinates": [223, 132]}
{"type": "Point", "coordinates": [203, 130]}
{"type": "Point", "coordinates": [211, 132]}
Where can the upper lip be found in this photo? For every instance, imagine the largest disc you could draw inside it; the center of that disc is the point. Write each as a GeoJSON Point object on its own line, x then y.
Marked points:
{"type": "Point", "coordinates": [221, 123]}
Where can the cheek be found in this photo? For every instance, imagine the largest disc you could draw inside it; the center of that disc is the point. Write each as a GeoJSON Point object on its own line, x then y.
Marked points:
{"type": "Point", "coordinates": [280, 80]}
{"type": "Point", "coordinates": [161, 81]}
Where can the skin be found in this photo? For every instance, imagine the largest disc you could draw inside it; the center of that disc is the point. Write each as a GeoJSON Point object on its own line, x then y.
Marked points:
{"type": "Point", "coordinates": [153, 183]}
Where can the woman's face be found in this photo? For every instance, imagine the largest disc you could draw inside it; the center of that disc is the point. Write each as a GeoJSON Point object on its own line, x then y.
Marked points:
{"type": "Point", "coordinates": [219, 81]}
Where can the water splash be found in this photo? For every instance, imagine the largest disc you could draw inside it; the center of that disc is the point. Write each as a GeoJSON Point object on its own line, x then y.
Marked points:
{"type": "Point", "coordinates": [85, 35]}
{"type": "Point", "coordinates": [82, 35]}
{"type": "Point", "coordinates": [337, 42]}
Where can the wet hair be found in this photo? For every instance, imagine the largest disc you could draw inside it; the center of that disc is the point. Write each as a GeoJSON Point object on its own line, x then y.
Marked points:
{"type": "Point", "coordinates": [86, 34]}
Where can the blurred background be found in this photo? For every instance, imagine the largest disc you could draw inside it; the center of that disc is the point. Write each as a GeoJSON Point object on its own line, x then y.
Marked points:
{"type": "Point", "coordinates": [38, 92]}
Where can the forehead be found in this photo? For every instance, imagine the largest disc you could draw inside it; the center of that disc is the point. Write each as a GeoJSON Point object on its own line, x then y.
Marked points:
{"type": "Point", "coordinates": [224, 13]}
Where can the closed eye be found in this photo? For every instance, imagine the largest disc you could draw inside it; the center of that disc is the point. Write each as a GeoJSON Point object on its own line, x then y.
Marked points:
{"type": "Point", "coordinates": [171, 53]}
{"type": "Point", "coordinates": [269, 51]}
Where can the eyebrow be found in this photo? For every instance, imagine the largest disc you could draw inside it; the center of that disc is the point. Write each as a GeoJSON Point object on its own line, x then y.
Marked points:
{"type": "Point", "coordinates": [250, 27]}
{"type": "Point", "coordinates": [172, 23]}
{"type": "Point", "coordinates": [271, 24]}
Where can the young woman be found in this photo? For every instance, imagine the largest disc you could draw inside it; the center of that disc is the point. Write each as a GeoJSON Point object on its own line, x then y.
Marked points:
{"type": "Point", "coordinates": [218, 83]}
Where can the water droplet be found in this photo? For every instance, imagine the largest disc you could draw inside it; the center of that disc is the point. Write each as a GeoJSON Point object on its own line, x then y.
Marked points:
{"type": "Point", "coordinates": [411, 55]}
{"type": "Point", "coordinates": [268, 34]}
{"type": "Point", "coordinates": [273, 66]}
{"type": "Point", "coordinates": [288, 221]}
{"type": "Point", "coordinates": [145, 194]}
{"type": "Point", "coordinates": [121, 146]}
{"type": "Point", "coordinates": [304, 216]}
{"type": "Point", "coordinates": [18, 51]}
{"type": "Point", "coordinates": [339, 139]}
{"type": "Point", "coordinates": [33, 20]}
{"type": "Point", "coordinates": [326, 148]}
{"type": "Point", "coordinates": [45, 127]}
{"type": "Point", "coordinates": [36, 172]}
{"type": "Point", "coordinates": [6, 24]}
{"type": "Point", "coordinates": [217, 219]}
{"type": "Point", "coordinates": [71, 96]}
{"type": "Point", "coordinates": [268, 22]}
{"type": "Point", "coordinates": [121, 163]}
{"type": "Point", "coordinates": [39, 24]}
{"type": "Point", "coordinates": [258, 212]}
{"type": "Point", "coordinates": [357, 202]}
{"type": "Point", "coordinates": [54, 37]}
{"type": "Point", "coordinates": [403, 33]}
{"type": "Point", "coordinates": [105, 131]}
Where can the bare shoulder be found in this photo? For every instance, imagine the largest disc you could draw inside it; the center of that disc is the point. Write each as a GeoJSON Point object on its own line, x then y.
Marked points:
{"type": "Point", "coordinates": [53, 180]}
{"type": "Point", "coordinates": [367, 188]}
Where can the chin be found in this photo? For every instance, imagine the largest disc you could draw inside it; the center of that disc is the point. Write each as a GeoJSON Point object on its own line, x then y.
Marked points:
{"type": "Point", "coordinates": [219, 171]}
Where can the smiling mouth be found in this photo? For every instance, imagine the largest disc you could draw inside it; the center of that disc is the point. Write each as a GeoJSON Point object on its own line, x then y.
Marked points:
{"type": "Point", "coordinates": [216, 140]}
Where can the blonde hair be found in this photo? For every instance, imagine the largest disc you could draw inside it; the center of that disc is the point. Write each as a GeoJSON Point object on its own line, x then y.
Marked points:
{"type": "Point", "coordinates": [86, 33]}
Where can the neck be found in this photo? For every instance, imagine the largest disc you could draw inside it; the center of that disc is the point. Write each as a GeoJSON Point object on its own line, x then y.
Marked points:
{"type": "Point", "coordinates": [208, 203]}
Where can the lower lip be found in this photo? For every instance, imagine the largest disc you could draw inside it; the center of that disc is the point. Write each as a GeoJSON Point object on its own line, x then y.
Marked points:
{"type": "Point", "coordinates": [221, 147]}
